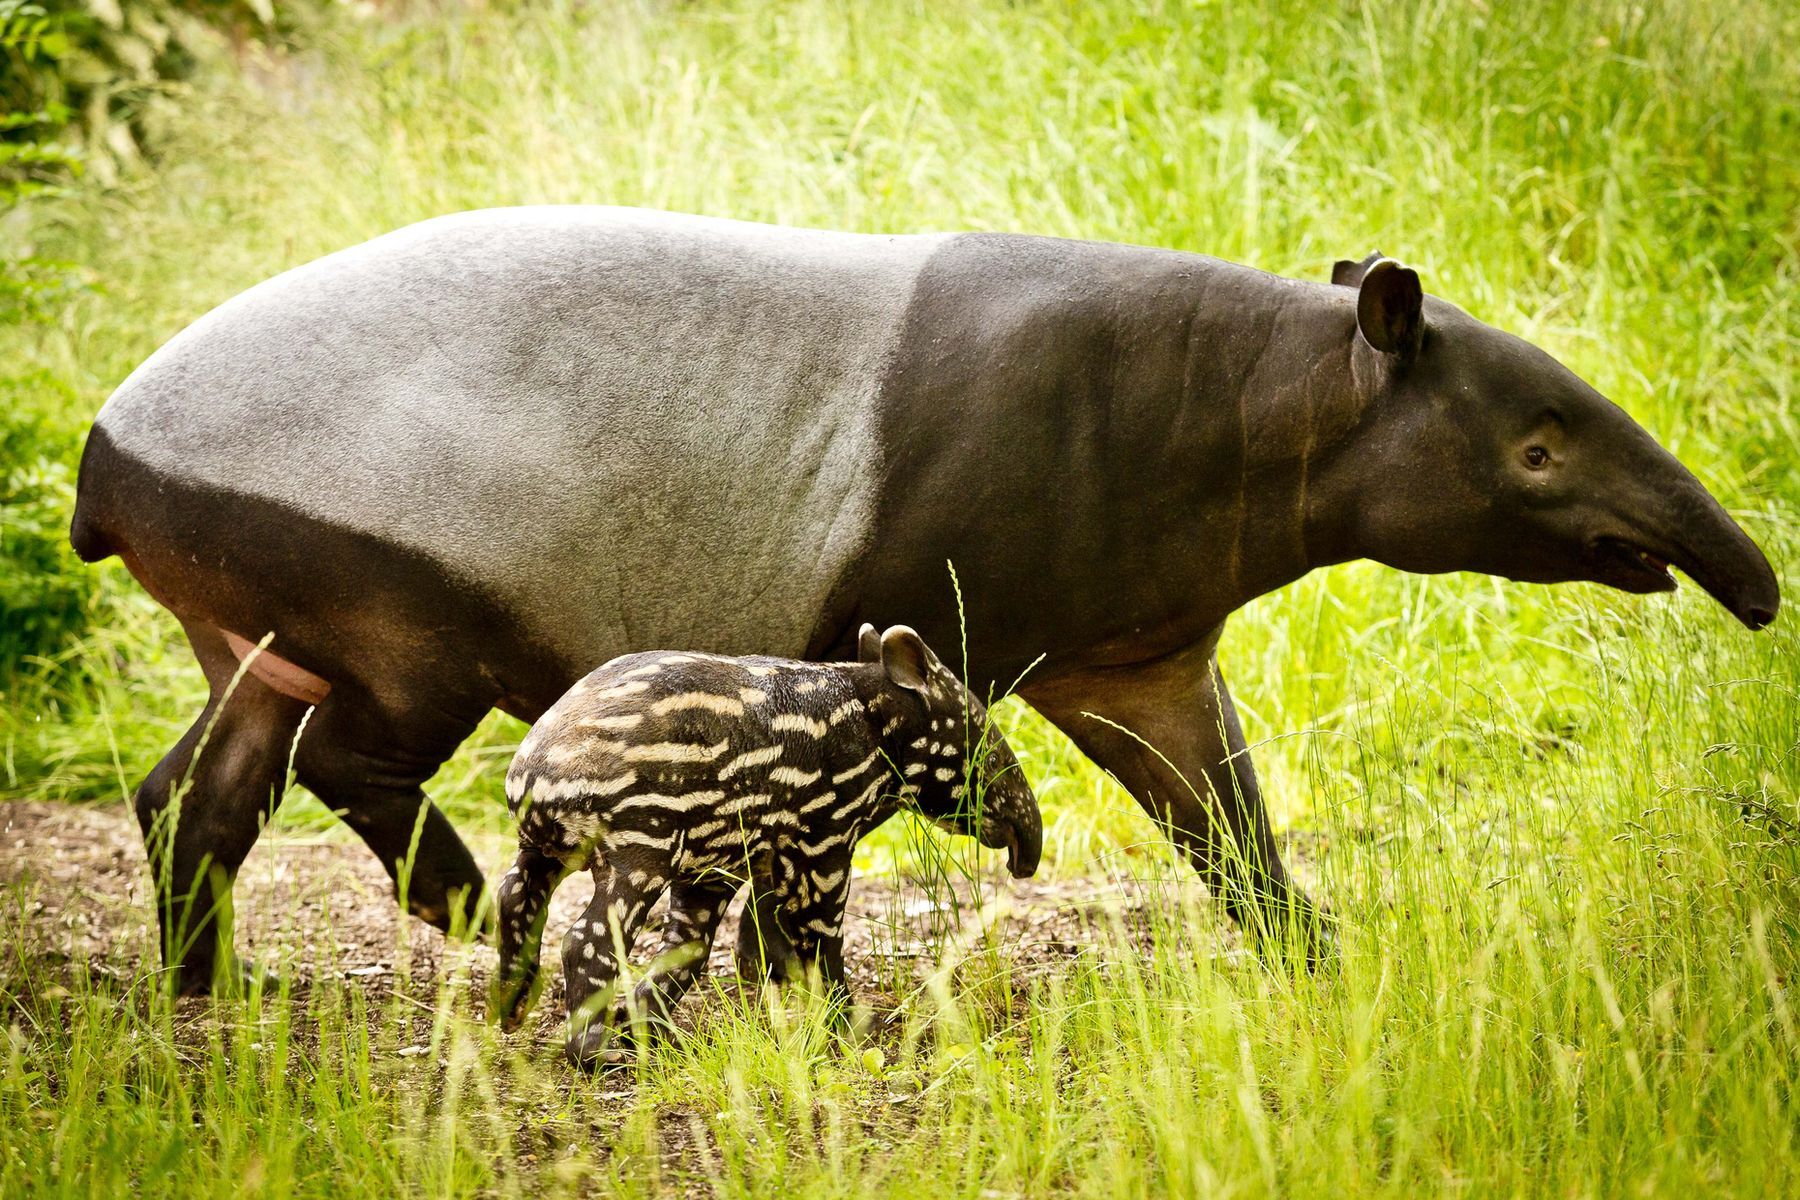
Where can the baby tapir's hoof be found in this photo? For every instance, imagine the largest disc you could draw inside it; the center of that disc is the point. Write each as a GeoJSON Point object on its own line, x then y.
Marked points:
{"type": "Point", "coordinates": [509, 1016]}
{"type": "Point", "coordinates": [598, 1048]}
{"type": "Point", "coordinates": [509, 1000]}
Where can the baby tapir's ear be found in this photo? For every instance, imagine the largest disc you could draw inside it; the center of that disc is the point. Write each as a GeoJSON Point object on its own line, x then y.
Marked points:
{"type": "Point", "coordinates": [1350, 274]}
{"type": "Point", "coordinates": [868, 644]}
{"type": "Point", "coordinates": [904, 657]}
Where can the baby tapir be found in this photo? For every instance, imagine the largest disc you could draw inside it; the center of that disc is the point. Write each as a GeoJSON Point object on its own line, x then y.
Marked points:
{"type": "Point", "coordinates": [692, 773]}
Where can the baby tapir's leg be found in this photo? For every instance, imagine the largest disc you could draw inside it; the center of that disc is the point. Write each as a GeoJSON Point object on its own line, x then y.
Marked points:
{"type": "Point", "coordinates": [524, 903]}
{"type": "Point", "coordinates": [814, 918]}
{"type": "Point", "coordinates": [623, 894]}
{"type": "Point", "coordinates": [695, 910]}
{"type": "Point", "coordinates": [762, 948]}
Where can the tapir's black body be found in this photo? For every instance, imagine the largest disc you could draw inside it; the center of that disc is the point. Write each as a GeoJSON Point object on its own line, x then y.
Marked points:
{"type": "Point", "coordinates": [457, 467]}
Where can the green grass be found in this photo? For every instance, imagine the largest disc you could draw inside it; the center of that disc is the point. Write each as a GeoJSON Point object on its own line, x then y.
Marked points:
{"type": "Point", "coordinates": [1560, 824]}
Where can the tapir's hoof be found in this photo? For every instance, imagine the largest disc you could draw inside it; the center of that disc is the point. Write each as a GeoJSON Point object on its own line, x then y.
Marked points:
{"type": "Point", "coordinates": [1324, 953]}
{"type": "Point", "coordinates": [508, 1005]}
{"type": "Point", "coordinates": [227, 981]}
{"type": "Point", "coordinates": [598, 1048]}
{"type": "Point", "coordinates": [508, 1017]}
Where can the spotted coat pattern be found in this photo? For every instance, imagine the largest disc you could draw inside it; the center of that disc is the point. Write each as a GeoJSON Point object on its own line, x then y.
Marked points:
{"type": "Point", "coordinates": [693, 773]}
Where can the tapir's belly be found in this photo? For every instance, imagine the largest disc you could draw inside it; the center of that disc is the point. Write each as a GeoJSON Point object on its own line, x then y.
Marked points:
{"type": "Point", "coordinates": [626, 428]}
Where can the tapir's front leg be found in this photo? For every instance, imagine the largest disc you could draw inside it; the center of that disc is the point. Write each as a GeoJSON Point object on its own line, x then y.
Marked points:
{"type": "Point", "coordinates": [695, 909]}
{"type": "Point", "coordinates": [812, 917]}
{"type": "Point", "coordinates": [1192, 773]}
{"type": "Point", "coordinates": [763, 950]}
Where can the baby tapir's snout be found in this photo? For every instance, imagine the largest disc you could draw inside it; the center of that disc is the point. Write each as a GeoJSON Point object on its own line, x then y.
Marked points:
{"type": "Point", "coordinates": [984, 793]}
{"type": "Point", "coordinates": [1010, 818]}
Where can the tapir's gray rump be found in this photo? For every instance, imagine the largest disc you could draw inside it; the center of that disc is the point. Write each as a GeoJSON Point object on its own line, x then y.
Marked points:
{"type": "Point", "coordinates": [606, 412]}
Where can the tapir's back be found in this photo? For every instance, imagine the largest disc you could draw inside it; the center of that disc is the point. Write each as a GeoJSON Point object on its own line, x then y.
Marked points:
{"type": "Point", "coordinates": [661, 424]}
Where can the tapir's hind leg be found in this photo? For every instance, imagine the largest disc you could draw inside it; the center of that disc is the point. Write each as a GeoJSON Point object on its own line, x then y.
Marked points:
{"type": "Point", "coordinates": [763, 950]}
{"type": "Point", "coordinates": [593, 948]}
{"type": "Point", "coordinates": [695, 909]}
{"type": "Point", "coordinates": [523, 902]}
{"type": "Point", "coordinates": [369, 762]}
{"type": "Point", "coordinates": [204, 804]}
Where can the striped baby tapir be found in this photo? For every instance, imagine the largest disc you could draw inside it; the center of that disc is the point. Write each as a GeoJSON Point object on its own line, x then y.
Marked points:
{"type": "Point", "coordinates": [695, 773]}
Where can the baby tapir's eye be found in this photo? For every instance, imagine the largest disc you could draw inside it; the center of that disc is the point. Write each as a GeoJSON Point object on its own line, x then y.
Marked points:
{"type": "Point", "coordinates": [1536, 457]}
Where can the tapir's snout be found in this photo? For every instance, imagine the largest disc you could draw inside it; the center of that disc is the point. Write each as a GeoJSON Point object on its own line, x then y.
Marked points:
{"type": "Point", "coordinates": [1735, 572]}
{"type": "Point", "coordinates": [1014, 823]}
{"type": "Point", "coordinates": [1027, 845]}
{"type": "Point", "coordinates": [1672, 520]}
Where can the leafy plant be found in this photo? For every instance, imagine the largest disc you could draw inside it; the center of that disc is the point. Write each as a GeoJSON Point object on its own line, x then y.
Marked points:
{"type": "Point", "coordinates": [43, 592]}
{"type": "Point", "coordinates": [83, 84]}
{"type": "Point", "coordinates": [83, 78]}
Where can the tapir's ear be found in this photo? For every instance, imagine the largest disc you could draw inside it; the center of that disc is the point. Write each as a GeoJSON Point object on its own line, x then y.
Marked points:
{"type": "Point", "coordinates": [1350, 274]}
{"type": "Point", "coordinates": [1388, 304]}
{"type": "Point", "coordinates": [904, 657]}
{"type": "Point", "coordinates": [868, 644]}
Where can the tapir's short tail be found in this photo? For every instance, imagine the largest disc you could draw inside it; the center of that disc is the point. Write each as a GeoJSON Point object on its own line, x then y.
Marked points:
{"type": "Point", "coordinates": [85, 533]}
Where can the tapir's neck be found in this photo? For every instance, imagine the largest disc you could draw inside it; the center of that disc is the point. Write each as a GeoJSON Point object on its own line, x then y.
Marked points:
{"type": "Point", "coordinates": [1266, 409]}
{"type": "Point", "coordinates": [1116, 446]}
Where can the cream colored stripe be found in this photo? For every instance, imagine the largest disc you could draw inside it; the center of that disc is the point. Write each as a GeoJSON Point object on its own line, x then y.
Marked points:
{"type": "Point", "coordinates": [621, 689]}
{"type": "Point", "coordinates": [548, 791]}
{"type": "Point", "coordinates": [615, 723]}
{"type": "Point", "coordinates": [729, 706]}
{"type": "Point", "coordinates": [861, 803]}
{"type": "Point", "coordinates": [676, 752]}
{"type": "Point", "coordinates": [739, 804]}
{"type": "Point", "coordinates": [830, 841]}
{"type": "Point", "coordinates": [750, 758]}
{"type": "Point", "coordinates": [682, 802]}
{"type": "Point", "coordinates": [819, 801]}
{"type": "Point", "coordinates": [850, 773]}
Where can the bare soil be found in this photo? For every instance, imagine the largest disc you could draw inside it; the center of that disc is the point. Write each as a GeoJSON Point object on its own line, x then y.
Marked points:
{"type": "Point", "coordinates": [75, 912]}
{"type": "Point", "coordinates": [319, 906]}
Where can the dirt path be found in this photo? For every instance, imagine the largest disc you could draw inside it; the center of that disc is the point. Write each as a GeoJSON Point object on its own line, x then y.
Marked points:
{"type": "Point", "coordinates": [319, 907]}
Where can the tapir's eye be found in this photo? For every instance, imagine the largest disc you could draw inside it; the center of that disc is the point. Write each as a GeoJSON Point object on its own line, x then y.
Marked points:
{"type": "Point", "coordinates": [1536, 456]}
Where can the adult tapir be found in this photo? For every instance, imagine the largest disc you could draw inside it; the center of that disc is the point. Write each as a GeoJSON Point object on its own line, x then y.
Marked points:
{"type": "Point", "coordinates": [459, 466]}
